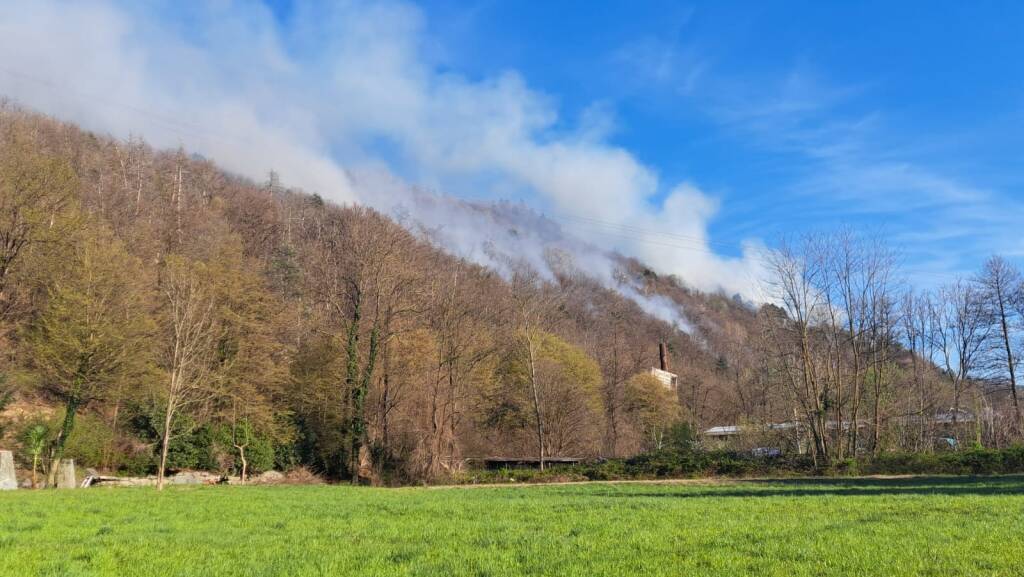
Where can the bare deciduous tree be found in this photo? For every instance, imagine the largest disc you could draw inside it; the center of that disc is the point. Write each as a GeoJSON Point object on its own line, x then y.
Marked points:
{"type": "Point", "coordinates": [960, 330]}
{"type": "Point", "coordinates": [191, 333]}
{"type": "Point", "coordinates": [795, 281]}
{"type": "Point", "coordinates": [1003, 292]}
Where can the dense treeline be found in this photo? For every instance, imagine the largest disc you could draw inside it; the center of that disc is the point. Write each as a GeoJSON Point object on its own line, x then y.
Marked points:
{"type": "Point", "coordinates": [161, 314]}
{"type": "Point", "coordinates": [157, 313]}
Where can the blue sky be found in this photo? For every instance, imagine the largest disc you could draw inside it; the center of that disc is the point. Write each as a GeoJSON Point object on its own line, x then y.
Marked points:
{"type": "Point", "coordinates": [742, 98]}
{"type": "Point", "coordinates": [711, 127]}
{"type": "Point", "coordinates": [905, 117]}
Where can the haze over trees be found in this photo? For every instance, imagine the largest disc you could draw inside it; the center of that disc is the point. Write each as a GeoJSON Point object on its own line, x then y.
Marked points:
{"type": "Point", "coordinates": [157, 314]}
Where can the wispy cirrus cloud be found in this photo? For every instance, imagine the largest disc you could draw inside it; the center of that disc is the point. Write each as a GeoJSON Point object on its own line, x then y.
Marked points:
{"type": "Point", "coordinates": [667, 64]}
{"type": "Point", "coordinates": [847, 165]}
{"type": "Point", "coordinates": [839, 156]}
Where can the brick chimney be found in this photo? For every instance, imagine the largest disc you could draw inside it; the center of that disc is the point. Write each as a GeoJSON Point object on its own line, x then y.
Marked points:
{"type": "Point", "coordinates": [663, 356]}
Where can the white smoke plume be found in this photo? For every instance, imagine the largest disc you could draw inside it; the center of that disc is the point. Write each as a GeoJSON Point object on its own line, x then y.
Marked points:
{"type": "Point", "coordinates": [499, 235]}
{"type": "Point", "coordinates": [360, 88]}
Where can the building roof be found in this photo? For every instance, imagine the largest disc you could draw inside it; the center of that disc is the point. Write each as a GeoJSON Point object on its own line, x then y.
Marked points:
{"type": "Point", "coordinates": [943, 417]}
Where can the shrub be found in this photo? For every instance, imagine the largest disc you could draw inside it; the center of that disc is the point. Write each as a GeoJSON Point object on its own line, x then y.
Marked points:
{"type": "Point", "coordinates": [137, 464]}
{"type": "Point", "coordinates": [260, 455]}
{"type": "Point", "coordinates": [604, 470]}
{"type": "Point", "coordinates": [90, 441]}
{"type": "Point", "coordinates": [192, 447]}
{"type": "Point", "coordinates": [844, 467]}
{"type": "Point", "coordinates": [682, 438]}
{"type": "Point", "coordinates": [735, 465]}
{"type": "Point", "coordinates": [982, 461]}
{"type": "Point", "coordinates": [971, 462]}
{"type": "Point", "coordinates": [689, 463]}
{"type": "Point", "coordinates": [1013, 459]}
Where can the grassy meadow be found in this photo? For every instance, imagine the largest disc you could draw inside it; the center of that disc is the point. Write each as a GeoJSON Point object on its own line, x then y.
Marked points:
{"type": "Point", "coordinates": [857, 527]}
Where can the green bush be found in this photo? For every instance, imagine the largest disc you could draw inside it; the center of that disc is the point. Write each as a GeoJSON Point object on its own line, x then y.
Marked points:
{"type": "Point", "coordinates": [734, 465]}
{"type": "Point", "coordinates": [682, 437]}
{"type": "Point", "coordinates": [688, 463]}
{"type": "Point", "coordinates": [1013, 459]}
{"type": "Point", "coordinates": [215, 451]}
{"type": "Point", "coordinates": [137, 464]}
{"type": "Point", "coordinates": [90, 441]}
{"type": "Point", "coordinates": [971, 462]}
{"type": "Point", "coordinates": [210, 448]}
{"type": "Point", "coordinates": [982, 461]}
{"type": "Point", "coordinates": [844, 467]}
{"type": "Point", "coordinates": [187, 450]}
{"type": "Point", "coordinates": [604, 471]}
{"type": "Point", "coordinates": [260, 455]}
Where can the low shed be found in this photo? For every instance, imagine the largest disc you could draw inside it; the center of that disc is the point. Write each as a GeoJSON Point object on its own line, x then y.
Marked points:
{"type": "Point", "coordinates": [495, 463]}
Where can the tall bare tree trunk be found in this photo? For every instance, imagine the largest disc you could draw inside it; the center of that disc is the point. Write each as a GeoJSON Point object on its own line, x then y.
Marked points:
{"type": "Point", "coordinates": [245, 463]}
{"type": "Point", "coordinates": [178, 204]}
{"type": "Point", "coordinates": [534, 386]}
{"type": "Point", "coordinates": [161, 471]}
{"type": "Point", "coordinates": [1011, 364]}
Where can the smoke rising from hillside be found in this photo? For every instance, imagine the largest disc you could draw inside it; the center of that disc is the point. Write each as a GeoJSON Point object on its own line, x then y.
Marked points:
{"type": "Point", "coordinates": [352, 100]}
{"type": "Point", "coordinates": [503, 235]}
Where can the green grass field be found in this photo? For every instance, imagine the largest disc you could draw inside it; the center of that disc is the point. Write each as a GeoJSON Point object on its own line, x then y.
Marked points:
{"type": "Point", "coordinates": [865, 527]}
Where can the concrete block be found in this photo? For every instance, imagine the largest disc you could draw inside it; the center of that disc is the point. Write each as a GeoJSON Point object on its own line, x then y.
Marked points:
{"type": "Point", "coordinates": [8, 480]}
{"type": "Point", "coordinates": [66, 475]}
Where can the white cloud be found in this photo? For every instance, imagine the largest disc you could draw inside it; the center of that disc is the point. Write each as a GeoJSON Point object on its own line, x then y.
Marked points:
{"type": "Point", "coordinates": [848, 166]}
{"type": "Point", "coordinates": [663, 63]}
{"type": "Point", "coordinates": [339, 89]}
{"type": "Point", "coordinates": [111, 69]}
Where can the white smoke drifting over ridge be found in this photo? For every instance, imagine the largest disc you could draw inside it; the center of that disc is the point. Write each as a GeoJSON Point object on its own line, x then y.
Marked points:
{"type": "Point", "coordinates": [499, 235]}
{"type": "Point", "coordinates": [360, 88]}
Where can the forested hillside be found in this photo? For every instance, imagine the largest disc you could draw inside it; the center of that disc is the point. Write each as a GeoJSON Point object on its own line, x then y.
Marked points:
{"type": "Point", "coordinates": [160, 313]}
